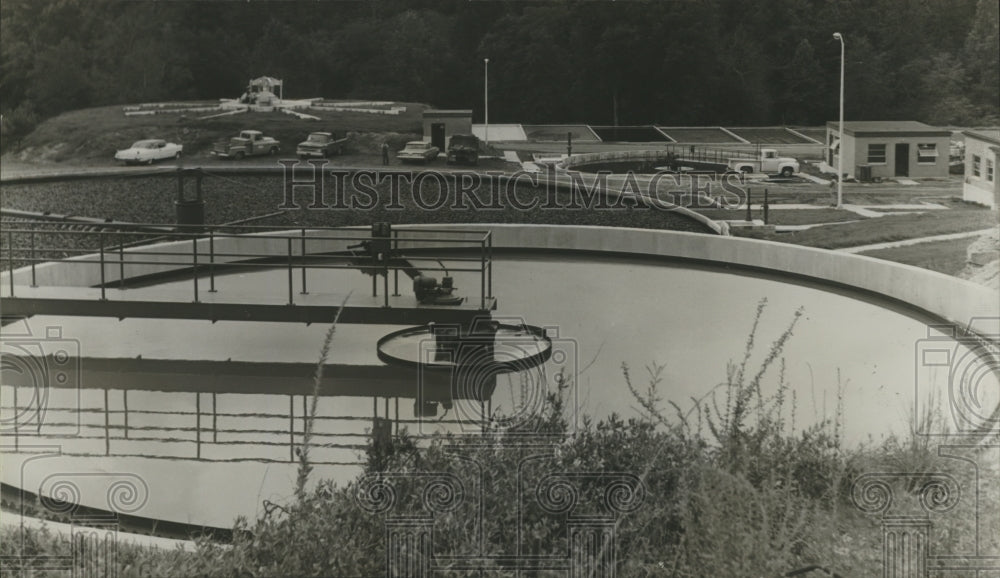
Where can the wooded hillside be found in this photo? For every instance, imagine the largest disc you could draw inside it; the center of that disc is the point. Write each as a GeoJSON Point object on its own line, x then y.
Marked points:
{"type": "Point", "coordinates": [734, 62]}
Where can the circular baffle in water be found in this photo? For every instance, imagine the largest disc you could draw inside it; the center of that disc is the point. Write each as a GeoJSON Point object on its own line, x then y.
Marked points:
{"type": "Point", "coordinates": [487, 346]}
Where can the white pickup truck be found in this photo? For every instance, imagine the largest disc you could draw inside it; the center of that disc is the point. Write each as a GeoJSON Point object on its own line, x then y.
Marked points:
{"type": "Point", "coordinates": [768, 163]}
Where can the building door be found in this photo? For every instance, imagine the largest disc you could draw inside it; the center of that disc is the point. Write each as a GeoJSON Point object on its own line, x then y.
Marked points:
{"type": "Point", "coordinates": [902, 159]}
{"type": "Point", "coordinates": [437, 135]}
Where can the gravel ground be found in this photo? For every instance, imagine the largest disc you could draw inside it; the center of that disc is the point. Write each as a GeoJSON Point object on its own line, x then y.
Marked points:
{"type": "Point", "coordinates": [228, 199]}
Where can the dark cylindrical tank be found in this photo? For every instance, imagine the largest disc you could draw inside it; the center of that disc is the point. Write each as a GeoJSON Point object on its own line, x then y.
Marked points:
{"type": "Point", "coordinates": [190, 212]}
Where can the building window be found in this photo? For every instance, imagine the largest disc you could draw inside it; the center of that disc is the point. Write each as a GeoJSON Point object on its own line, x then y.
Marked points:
{"type": "Point", "coordinates": [989, 170]}
{"type": "Point", "coordinates": [876, 153]}
{"type": "Point", "coordinates": [927, 153]}
{"type": "Point", "coordinates": [976, 162]}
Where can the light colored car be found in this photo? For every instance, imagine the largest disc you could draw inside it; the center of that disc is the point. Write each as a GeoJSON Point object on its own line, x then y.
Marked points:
{"type": "Point", "coordinates": [418, 151]}
{"type": "Point", "coordinates": [147, 151]}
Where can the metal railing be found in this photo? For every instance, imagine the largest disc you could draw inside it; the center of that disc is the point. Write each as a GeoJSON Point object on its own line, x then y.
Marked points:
{"type": "Point", "coordinates": [121, 253]}
{"type": "Point", "coordinates": [202, 430]}
{"type": "Point", "coordinates": [707, 154]}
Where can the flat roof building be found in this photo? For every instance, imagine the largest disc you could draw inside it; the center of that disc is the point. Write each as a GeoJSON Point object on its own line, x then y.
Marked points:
{"type": "Point", "coordinates": [982, 147]}
{"type": "Point", "coordinates": [883, 149]}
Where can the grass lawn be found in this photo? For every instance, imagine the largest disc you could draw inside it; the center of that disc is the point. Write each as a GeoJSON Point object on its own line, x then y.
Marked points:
{"type": "Point", "coordinates": [885, 229]}
{"type": "Point", "coordinates": [946, 257]}
{"type": "Point", "coordinates": [948, 194]}
{"type": "Point", "coordinates": [96, 133]}
{"type": "Point", "coordinates": [786, 217]}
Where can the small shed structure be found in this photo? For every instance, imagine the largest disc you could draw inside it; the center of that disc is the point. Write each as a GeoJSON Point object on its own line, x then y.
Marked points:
{"type": "Point", "coordinates": [439, 125]}
{"type": "Point", "coordinates": [263, 90]}
{"type": "Point", "coordinates": [887, 149]}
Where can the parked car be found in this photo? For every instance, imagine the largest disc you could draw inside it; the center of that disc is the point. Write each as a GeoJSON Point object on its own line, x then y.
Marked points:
{"type": "Point", "coordinates": [463, 148]}
{"type": "Point", "coordinates": [147, 151]}
{"type": "Point", "coordinates": [418, 151]}
{"type": "Point", "coordinates": [320, 144]}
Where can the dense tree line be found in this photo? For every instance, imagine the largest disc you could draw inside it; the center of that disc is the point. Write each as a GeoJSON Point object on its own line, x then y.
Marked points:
{"type": "Point", "coordinates": [738, 62]}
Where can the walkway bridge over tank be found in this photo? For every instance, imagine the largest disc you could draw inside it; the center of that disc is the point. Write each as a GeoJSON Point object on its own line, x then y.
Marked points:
{"type": "Point", "coordinates": [91, 271]}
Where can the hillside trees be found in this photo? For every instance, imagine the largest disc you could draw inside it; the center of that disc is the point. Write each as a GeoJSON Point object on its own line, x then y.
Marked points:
{"type": "Point", "coordinates": [681, 63]}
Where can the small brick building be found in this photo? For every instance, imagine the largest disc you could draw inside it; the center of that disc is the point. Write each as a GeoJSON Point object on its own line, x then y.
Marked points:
{"type": "Point", "coordinates": [887, 149]}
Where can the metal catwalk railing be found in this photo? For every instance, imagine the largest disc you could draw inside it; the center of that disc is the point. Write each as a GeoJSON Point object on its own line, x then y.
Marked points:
{"type": "Point", "coordinates": [119, 253]}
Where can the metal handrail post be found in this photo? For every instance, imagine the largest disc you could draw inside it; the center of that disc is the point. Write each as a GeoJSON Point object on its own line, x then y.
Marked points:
{"type": "Point", "coordinates": [107, 425]}
{"type": "Point", "coordinates": [385, 282]}
{"type": "Point", "coordinates": [291, 428]}
{"type": "Point", "coordinates": [33, 283]}
{"type": "Point", "coordinates": [490, 272]}
{"type": "Point", "coordinates": [291, 298]}
{"type": "Point", "coordinates": [304, 291]}
{"type": "Point", "coordinates": [10, 260]}
{"type": "Point", "coordinates": [197, 425]}
{"type": "Point", "coordinates": [211, 261]}
{"type": "Point", "coordinates": [395, 272]}
{"type": "Point", "coordinates": [121, 262]}
{"type": "Point", "coordinates": [100, 235]}
{"type": "Point", "coordinates": [482, 274]}
{"type": "Point", "coordinates": [194, 265]}
{"type": "Point", "coordinates": [16, 429]}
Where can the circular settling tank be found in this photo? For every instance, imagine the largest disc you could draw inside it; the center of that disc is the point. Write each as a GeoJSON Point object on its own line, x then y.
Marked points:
{"type": "Point", "coordinates": [204, 458]}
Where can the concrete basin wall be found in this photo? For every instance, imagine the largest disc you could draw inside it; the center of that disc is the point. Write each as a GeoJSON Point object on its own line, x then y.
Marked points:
{"type": "Point", "coordinates": [947, 298]}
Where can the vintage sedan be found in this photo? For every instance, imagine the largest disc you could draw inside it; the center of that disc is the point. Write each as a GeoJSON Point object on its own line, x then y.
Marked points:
{"type": "Point", "coordinates": [418, 151]}
{"type": "Point", "coordinates": [147, 151]}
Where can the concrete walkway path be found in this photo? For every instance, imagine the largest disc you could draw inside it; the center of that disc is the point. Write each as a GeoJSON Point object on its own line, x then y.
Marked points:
{"type": "Point", "coordinates": [917, 241]}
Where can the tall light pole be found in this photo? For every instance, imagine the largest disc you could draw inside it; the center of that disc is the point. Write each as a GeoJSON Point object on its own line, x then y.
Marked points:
{"type": "Point", "coordinates": [840, 142]}
{"type": "Point", "coordinates": [486, 93]}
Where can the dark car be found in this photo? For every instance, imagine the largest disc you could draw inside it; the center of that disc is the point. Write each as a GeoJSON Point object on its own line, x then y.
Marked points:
{"type": "Point", "coordinates": [463, 148]}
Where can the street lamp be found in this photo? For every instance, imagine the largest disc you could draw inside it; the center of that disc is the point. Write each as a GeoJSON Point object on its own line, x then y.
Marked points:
{"type": "Point", "coordinates": [840, 142]}
{"type": "Point", "coordinates": [486, 104]}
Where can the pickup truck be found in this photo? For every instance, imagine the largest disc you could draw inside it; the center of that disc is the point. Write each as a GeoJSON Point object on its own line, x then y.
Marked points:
{"type": "Point", "coordinates": [768, 163]}
{"type": "Point", "coordinates": [249, 143]}
{"type": "Point", "coordinates": [463, 148]}
{"type": "Point", "coordinates": [320, 144]}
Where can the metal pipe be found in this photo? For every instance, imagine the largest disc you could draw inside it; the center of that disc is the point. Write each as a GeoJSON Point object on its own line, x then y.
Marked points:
{"type": "Point", "coordinates": [125, 410]}
{"type": "Point", "coordinates": [291, 428]}
{"type": "Point", "coordinates": [840, 127]}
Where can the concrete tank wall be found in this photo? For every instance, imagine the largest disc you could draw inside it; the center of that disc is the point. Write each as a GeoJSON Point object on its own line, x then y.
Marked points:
{"type": "Point", "coordinates": [942, 296]}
